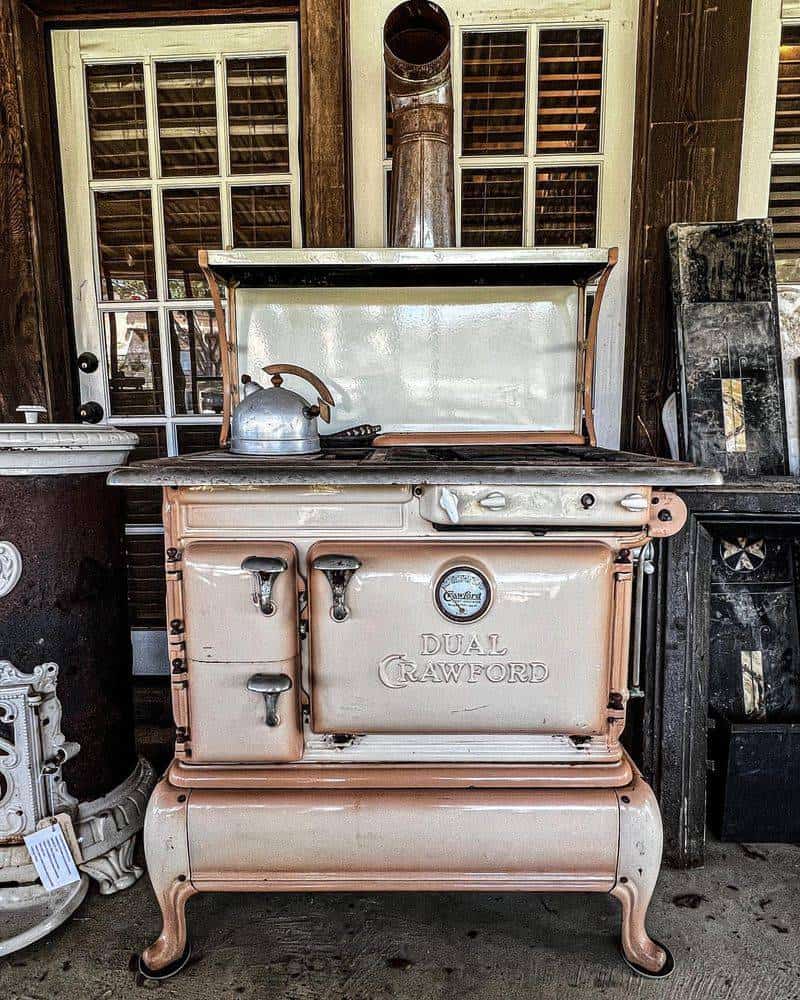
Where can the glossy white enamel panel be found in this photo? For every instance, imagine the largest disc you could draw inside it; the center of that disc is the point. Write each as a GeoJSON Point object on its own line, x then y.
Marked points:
{"type": "Point", "coordinates": [421, 359]}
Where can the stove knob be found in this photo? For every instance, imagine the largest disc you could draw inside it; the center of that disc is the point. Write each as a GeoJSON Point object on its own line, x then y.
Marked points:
{"type": "Point", "coordinates": [634, 501]}
{"type": "Point", "coordinates": [448, 501]}
{"type": "Point", "coordinates": [587, 501]}
{"type": "Point", "coordinates": [493, 501]}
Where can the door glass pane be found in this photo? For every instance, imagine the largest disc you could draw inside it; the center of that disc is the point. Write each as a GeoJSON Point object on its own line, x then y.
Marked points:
{"type": "Point", "coordinates": [493, 105]}
{"type": "Point", "coordinates": [134, 363]}
{"type": "Point", "coordinates": [194, 438]}
{"type": "Point", "coordinates": [262, 216]}
{"type": "Point", "coordinates": [191, 221]}
{"type": "Point", "coordinates": [258, 115]}
{"type": "Point", "coordinates": [143, 503]}
{"type": "Point", "coordinates": [187, 117]}
{"type": "Point", "coordinates": [566, 206]}
{"type": "Point", "coordinates": [196, 364]}
{"type": "Point", "coordinates": [491, 208]}
{"type": "Point", "coordinates": [784, 210]}
{"type": "Point", "coordinates": [125, 245]}
{"type": "Point", "coordinates": [570, 90]}
{"type": "Point", "coordinates": [117, 121]}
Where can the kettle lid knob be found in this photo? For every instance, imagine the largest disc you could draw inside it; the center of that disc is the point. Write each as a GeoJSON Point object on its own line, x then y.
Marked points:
{"type": "Point", "coordinates": [276, 380]}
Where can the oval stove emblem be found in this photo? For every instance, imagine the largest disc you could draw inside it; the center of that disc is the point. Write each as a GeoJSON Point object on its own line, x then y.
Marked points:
{"type": "Point", "coordinates": [463, 594]}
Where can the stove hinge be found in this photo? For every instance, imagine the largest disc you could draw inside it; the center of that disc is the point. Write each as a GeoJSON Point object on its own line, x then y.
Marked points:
{"type": "Point", "coordinates": [173, 571]}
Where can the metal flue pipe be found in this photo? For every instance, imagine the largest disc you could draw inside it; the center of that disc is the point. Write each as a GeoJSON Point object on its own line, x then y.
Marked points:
{"type": "Point", "coordinates": [416, 51]}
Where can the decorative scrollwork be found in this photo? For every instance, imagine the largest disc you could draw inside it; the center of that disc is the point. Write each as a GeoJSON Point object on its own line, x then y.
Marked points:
{"type": "Point", "coordinates": [10, 567]}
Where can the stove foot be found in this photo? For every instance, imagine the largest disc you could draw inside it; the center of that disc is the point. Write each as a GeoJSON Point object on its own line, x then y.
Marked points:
{"type": "Point", "coordinates": [170, 947]}
{"type": "Point", "coordinates": [167, 854]}
{"type": "Point", "coordinates": [146, 972]}
{"type": "Point", "coordinates": [666, 969]}
{"type": "Point", "coordinates": [638, 865]}
{"type": "Point", "coordinates": [644, 955]}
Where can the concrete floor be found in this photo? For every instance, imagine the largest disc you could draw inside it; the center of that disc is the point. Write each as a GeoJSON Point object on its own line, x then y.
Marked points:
{"type": "Point", "coordinates": [734, 928]}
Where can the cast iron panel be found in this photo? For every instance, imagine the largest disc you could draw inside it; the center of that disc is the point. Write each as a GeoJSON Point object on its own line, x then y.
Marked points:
{"type": "Point", "coordinates": [730, 382]}
{"type": "Point", "coordinates": [753, 629]}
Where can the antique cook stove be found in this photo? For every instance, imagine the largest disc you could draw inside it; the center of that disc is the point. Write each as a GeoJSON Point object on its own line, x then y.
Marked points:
{"type": "Point", "coordinates": [402, 662]}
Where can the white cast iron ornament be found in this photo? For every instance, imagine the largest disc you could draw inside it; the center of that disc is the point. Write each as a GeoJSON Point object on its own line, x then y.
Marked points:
{"type": "Point", "coordinates": [10, 567]}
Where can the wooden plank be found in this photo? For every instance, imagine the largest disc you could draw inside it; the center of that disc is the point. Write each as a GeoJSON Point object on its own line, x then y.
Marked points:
{"type": "Point", "coordinates": [691, 78]}
{"type": "Point", "coordinates": [22, 375]}
{"type": "Point", "coordinates": [69, 11]}
{"type": "Point", "coordinates": [325, 119]}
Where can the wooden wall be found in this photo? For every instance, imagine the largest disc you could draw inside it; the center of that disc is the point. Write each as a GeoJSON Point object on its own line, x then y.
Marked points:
{"type": "Point", "coordinates": [691, 77]}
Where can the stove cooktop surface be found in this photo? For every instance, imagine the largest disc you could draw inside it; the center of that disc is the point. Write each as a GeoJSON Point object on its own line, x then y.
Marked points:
{"type": "Point", "coordinates": [353, 464]}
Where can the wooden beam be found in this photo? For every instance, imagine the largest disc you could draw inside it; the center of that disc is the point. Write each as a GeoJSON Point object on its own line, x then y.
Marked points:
{"type": "Point", "coordinates": [325, 122]}
{"type": "Point", "coordinates": [691, 77]}
{"type": "Point", "coordinates": [35, 356]}
{"type": "Point", "coordinates": [69, 11]}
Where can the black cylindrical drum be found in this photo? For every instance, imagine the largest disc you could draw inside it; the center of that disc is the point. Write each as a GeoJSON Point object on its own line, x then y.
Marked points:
{"type": "Point", "coordinates": [63, 587]}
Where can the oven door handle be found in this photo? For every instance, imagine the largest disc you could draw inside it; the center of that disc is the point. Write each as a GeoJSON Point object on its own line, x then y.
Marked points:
{"type": "Point", "coordinates": [338, 570]}
{"type": "Point", "coordinates": [271, 686]}
{"type": "Point", "coordinates": [264, 570]}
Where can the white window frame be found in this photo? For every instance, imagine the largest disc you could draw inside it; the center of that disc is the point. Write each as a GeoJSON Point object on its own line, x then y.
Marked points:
{"type": "Point", "coordinates": [73, 49]}
{"type": "Point", "coordinates": [619, 19]}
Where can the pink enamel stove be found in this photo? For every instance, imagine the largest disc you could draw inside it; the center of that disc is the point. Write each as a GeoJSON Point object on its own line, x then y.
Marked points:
{"type": "Point", "coordinates": [403, 663]}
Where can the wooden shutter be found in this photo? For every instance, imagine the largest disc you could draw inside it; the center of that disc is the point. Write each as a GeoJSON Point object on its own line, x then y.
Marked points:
{"type": "Point", "coordinates": [491, 207]}
{"type": "Point", "coordinates": [787, 107]}
{"type": "Point", "coordinates": [566, 206]}
{"type": "Point", "coordinates": [570, 90]}
{"type": "Point", "coordinates": [493, 85]}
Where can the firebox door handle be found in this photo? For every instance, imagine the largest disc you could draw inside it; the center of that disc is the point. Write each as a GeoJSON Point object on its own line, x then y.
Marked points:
{"type": "Point", "coordinates": [494, 501]}
{"type": "Point", "coordinates": [338, 570]}
{"type": "Point", "coordinates": [448, 501]}
{"type": "Point", "coordinates": [634, 501]}
{"type": "Point", "coordinates": [264, 570]}
{"type": "Point", "coordinates": [271, 686]}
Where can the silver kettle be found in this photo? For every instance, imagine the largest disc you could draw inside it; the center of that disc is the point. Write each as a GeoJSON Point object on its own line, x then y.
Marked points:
{"type": "Point", "coordinates": [276, 421]}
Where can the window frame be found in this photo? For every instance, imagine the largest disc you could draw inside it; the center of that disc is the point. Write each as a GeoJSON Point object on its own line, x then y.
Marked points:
{"type": "Point", "coordinates": [530, 160]}
{"type": "Point", "coordinates": [73, 49]}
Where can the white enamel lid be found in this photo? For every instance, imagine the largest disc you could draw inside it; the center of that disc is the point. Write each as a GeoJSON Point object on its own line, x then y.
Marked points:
{"type": "Point", "coordinates": [34, 449]}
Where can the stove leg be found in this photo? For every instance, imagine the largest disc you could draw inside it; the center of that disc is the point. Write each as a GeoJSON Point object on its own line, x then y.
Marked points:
{"type": "Point", "coordinates": [638, 865]}
{"type": "Point", "coordinates": [166, 850]}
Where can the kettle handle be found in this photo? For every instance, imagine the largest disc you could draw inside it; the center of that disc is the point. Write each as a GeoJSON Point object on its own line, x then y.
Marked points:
{"type": "Point", "coordinates": [326, 400]}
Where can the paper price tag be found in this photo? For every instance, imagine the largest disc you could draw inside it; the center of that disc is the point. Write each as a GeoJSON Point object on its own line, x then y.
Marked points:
{"type": "Point", "coordinates": [52, 857]}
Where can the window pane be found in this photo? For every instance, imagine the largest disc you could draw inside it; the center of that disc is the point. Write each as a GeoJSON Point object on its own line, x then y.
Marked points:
{"type": "Point", "coordinates": [191, 221]}
{"type": "Point", "coordinates": [784, 210]}
{"type": "Point", "coordinates": [193, 438]}
{"type": "Point", "coordinates": [125, 245]}
{"type": "Point", "coordinates": [146, 581]}
{"type": "Point", "coordinates": [262, 216]}
{"type": "Point", "coordinates": [493, 111]}
{"type": "Point", "coordinates": [491, 208]}
{"type": "Point", "coordinates": [117, 120]}
{"type": "Point", "coordinates": [566, 206]}
{"type": "Point", "coordinates": [134, 363]}
{"type": "Point", "coordinates": [143, 503]}
{"type": "Point", "coordinates": [187, 117]}
{"type": "Point", "coordinates": [258, 115]}
{"type": "Point", "coordinates": [196, 364]}
{"type": "Point", "coordinates": [787, 108]}
{"type": "Point", "coordinates": [570, 90]}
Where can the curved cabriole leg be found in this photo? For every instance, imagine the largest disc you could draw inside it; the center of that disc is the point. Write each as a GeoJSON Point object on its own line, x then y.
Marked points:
{"type": "Point", "coordinates": [166, 850]}
{"type": "Point", "coordinates": [638, 865]}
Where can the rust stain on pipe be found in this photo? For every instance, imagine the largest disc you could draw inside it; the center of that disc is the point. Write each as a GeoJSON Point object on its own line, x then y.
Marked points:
{"type": "Point", "coordinates": [416, 53]}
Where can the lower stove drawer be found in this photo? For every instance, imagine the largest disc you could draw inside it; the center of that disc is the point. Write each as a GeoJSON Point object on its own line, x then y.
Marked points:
{"type": "Point", "coordinates": [565, 837]}
{"type": "Point", "coordinates": [228, 720]}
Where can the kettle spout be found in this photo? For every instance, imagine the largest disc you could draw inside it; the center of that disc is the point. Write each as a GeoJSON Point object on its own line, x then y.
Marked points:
{"type": "Point", "coordinates": [249, 386]}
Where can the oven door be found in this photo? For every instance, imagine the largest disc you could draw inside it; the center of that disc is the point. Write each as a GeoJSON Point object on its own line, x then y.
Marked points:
{"type": "Point", "coordinates": [441, 637]}
{"type": "Point", "coordinates": [240, 601]}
